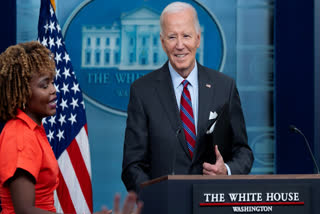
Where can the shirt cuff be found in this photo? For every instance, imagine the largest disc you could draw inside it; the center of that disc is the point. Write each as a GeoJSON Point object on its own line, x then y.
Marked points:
{"type": "Point", "coordinates": [228, 169]}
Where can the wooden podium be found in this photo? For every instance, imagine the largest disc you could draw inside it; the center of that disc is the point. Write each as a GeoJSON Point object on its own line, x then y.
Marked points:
{"type": "Point", "coordinates": [199, 194]}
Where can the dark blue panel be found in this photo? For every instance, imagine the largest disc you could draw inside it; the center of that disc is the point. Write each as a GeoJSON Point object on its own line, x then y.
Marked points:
{"type": "Point", "coordinates": [317, 78]}
{"type": "Point", "coordinates": [8, 24]}
{"type": "Point", "coordinates": [294, 82]}
{"type": "Point", "coordinates": [8, 29]}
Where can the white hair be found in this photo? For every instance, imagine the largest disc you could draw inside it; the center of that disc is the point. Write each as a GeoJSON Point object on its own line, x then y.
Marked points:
{"type": "Point", "coordinates": [178, 7]}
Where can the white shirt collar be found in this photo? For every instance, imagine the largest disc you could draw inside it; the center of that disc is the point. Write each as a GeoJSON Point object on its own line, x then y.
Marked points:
{"type": "Point", "coordinates": [177, 79]}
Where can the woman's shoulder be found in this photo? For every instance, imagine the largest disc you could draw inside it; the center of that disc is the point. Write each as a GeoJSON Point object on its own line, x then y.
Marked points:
{"type": "Point", "coordinates": [19, 148]}
{"type": "Point", "coordinates": [17, 133]}
{"type": "Point", "coordinates": [15, 126]}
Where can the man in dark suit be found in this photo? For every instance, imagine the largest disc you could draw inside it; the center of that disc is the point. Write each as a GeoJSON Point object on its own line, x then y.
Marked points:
{"type": "Point", "coordinates": [173, 111]}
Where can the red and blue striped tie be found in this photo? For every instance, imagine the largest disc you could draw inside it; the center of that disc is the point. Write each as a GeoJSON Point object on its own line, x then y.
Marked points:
{"type": "Point", "coordinates": [186, 114]}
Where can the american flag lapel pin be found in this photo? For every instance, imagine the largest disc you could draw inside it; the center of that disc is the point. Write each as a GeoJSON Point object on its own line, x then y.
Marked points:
{"type": "Point", "coordinates": [208, 85]}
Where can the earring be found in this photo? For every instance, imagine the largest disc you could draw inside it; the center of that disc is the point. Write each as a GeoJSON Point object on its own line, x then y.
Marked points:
{"type": "Point", "coordinates": [23, 106]}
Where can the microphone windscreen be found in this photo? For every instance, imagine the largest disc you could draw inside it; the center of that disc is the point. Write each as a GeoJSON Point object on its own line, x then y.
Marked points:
{"type": "Point", "coordinates": [292, 128]}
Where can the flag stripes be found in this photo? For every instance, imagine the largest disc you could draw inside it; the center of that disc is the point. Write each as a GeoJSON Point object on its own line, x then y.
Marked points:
{"type": "Point", "coordinates": [80, 171]}
{"type": "Point", "coordinates": [72, 183]}
{"type": "Point", "coordinates": [63, 200]}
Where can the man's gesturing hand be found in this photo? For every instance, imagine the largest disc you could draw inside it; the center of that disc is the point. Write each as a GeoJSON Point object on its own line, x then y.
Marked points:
{"type": "Point", "coordinates": [218, 168]}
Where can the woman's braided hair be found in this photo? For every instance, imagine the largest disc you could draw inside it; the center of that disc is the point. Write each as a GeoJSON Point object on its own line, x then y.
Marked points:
{"type": "Point", "coordinates": [18, 63]}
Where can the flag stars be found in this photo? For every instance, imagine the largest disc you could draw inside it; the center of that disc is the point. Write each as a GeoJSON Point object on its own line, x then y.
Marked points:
{"type": "Point", "coordinates": [57, 88]}
{"type": "Point", "coordinates": [50, 135]}
{"type": "Point", "coordinates": [72, 118]}
{"type": "Point", "coordinates": [75, 88]}
{"type": "Point", "coordinates": [65, 88]}
{"type": "Point", "coordinates": [51, 11]}
{"type": "Point", "coordinates": [82, 103]}
{"type": "Point", "coordinates": [57, 73]}
{"type": "Point", "coordinates": [51, 42]}
{"type": "Point", "coordinates": [63, 104]}
{"type": "Point", "coordinates": [69, 110]}
{"type": "Point", "coordinates": [66, 73]}
{"type": "Point", "coordinates": [66, 57]}
{"type": "Point", "coordinates": [58, 28]}
{"type": "Point", "coordinates": [44, 120]}
{"type": "Point", "coordinates": [62, 119]}
{"type": "Point", "coordinates": [51, 26]}
{"type": "Point", "coordinates": [60, 135]}
{"type": "Point", "coordinates": [58, 42]}
{"type": "Point", "coordinates": [52, 120]}
{"type": "Point", "coordinates": [58, 58]}
{"type": "Point", "coordinates": [46, 27]}
{"type": "Point", "coordinates": [45, 42]}
{"type": "Point", "coordinates": [74, 103]}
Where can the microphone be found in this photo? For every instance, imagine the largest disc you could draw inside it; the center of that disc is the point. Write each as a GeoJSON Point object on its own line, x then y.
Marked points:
{"type": "Point", "coordinates": [174, 150]}
{"type": "Point", "coordinates": [296, 130]}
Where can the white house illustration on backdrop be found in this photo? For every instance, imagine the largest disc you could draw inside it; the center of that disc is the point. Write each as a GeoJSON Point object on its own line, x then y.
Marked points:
{"type": "Point", "coordinates": [133, 43]}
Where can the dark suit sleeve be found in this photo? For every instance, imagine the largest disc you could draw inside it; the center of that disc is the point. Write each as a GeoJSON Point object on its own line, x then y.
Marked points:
{"type": "Point", "coordinates": [242, 157]}
{"type": "Point", "coordinates": [135, 166]}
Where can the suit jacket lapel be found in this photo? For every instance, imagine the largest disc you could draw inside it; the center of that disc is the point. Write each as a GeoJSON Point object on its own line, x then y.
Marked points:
{"type": "Point", "coordinates": [168, 100]}
{"type": "Point", "coordinates": [206, 98]}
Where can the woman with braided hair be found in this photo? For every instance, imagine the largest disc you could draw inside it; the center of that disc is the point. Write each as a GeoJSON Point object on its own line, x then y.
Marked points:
{"type": "Point", "coordinates": [28, 167]}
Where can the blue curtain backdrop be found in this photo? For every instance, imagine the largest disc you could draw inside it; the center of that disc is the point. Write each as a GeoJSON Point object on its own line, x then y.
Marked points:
{"type": "Point", "coordinates": [317, 79]}
{"type": "Point", "coordinates": [8, 24]}
{"type": "Point", "coordinates": [295, 86]}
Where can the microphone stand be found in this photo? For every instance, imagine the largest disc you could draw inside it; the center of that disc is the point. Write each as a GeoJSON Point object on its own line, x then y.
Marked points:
{"type": "Point", "coordinates": [296, 130]}
{"type": "Point", "coordinates": [175, 150]}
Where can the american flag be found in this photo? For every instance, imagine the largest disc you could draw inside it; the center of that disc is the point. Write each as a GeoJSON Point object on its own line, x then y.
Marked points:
{"type": "Point", "coordinates": [67, 129]}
